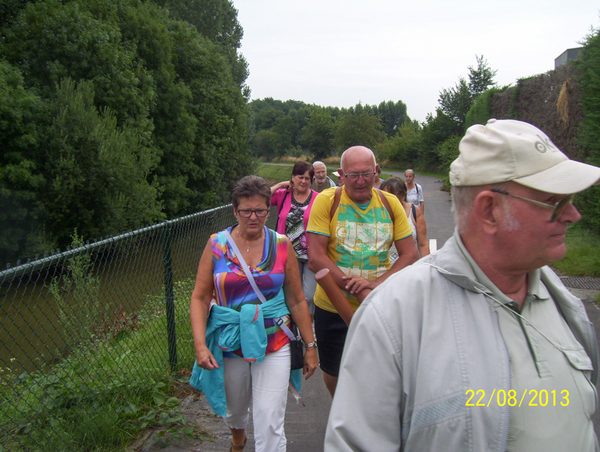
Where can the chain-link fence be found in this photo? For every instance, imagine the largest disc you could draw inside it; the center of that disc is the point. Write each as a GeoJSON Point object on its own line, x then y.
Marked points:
{"type": "Point", "coordinates": [88, 335]}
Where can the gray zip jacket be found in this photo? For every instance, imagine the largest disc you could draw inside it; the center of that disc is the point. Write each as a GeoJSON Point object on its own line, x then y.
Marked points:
{"type": "Point", "coordinates": [414, 348]}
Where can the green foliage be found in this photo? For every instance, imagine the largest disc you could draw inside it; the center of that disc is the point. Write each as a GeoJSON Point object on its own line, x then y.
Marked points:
{"type": "Point", "coordinates": [436, 130]}
{"type": "Point", "coordinates": [116, 115]}
{"type": "Point", "coordinates": [357, 128]}
{"type": "Point", "coordinates": [589, 64]}
{"type": "Point", "coordinates": [81, 311]}
{"type": "Point", "coordinates": [393, 116]}
{"type": "Point", "coordinates": [101, 397]}
{"type": "Point", "coordinates": [447, 152]}
{"type": "Point", "coordinates": [281, 128]}
{"type": "Point", "coordinates": [317, 135]}
{"type": "Point", "coordinates": [481, 110]}
{"type": "Point", "coordinates": [583, 253]}
{"type": "Point", "coordinates": [402, 149]}
{"type": "Point", "coordinates": [21, 212]}
{"type": "Point", "coordinates": [456, 102]}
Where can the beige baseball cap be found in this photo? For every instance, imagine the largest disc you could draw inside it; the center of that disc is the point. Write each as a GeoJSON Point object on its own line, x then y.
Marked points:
{"type": "Point", "coordinates": [336, 174]}
{"type": "Point", "coordinates": [506, 150]}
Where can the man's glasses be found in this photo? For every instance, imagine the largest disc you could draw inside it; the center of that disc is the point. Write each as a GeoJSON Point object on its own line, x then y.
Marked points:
{"type": "Point", "coordinates": [557, 209]}
{"type": "Point", "coordinates": [354, 176]}
{"type": "Point", "coordinates": [247, 213]}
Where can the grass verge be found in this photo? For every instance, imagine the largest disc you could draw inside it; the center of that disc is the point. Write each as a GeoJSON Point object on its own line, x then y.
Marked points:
{"type": "Point", "coordinates": [104, 393]}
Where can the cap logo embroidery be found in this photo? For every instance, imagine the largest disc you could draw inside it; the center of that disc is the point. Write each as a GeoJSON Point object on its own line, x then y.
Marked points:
{"type": "Point", "coordinates": [543, 145]}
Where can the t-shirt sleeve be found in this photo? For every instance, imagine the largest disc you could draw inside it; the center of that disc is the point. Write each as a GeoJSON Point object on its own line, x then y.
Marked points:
{"type": "Point", "coordinates": [319, 219]}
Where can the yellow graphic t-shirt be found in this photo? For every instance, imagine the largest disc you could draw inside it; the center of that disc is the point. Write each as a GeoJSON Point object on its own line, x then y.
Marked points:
{"type": "Point", "coordinates": [359, 240]}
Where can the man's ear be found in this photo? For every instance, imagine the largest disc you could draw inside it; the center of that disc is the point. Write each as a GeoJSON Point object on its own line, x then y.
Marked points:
{"type": "Point", "coordinates": [487, 211]}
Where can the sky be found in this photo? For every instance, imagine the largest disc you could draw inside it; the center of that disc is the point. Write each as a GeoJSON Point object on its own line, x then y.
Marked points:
{"type": "Point", "coordinates": [343, 52]}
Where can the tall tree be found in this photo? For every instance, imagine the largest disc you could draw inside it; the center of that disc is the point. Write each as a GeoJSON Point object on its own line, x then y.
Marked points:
{"type": "Point", "coordinates": [317, 135]}
{"type": "Point", "coordinates": [163, 99]}
{"type": "Point", "coordinates": [455, 102]}
{"type": "Point", "coordinates": [360, 128]}
{"type": "Point", "coordinates": [22, 214]}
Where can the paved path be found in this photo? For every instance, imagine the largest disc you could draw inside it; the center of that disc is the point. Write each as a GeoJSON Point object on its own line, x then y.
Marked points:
{"type": "Point", "coordinates": [305, 425]}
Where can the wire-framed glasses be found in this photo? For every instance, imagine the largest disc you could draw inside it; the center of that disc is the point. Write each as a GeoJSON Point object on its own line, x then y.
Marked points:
{"type": "Point", "coordinates": [354, 176]}
{"type": "Point", "coordinates": [557, 208]}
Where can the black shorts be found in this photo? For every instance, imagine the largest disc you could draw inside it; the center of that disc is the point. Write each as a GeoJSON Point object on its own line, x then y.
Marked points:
{"type": "Point", "coordinates": [331, 331]}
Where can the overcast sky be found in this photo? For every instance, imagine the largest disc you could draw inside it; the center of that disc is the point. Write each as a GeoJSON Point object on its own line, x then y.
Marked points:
{"type": "Point", "coordinates": [342, 52]}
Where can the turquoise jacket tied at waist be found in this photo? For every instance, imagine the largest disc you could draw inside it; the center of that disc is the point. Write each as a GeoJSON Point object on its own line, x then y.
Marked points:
{"type": "Point", "coordinates": [245, 330]}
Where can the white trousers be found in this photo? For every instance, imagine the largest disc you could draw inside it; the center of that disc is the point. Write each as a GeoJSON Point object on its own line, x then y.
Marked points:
{"type": "Point", "coordinates": [265, 384]}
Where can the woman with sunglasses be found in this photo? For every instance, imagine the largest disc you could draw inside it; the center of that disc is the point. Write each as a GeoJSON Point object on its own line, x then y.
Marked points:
{"type": "Point", "coordinates": [252, 359]}
{"type": "Point", "coordinates": [294, 199]}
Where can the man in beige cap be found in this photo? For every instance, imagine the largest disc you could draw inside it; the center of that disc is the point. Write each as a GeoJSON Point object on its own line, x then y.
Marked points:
{"type": "Point", "coordinates": [479, 347]}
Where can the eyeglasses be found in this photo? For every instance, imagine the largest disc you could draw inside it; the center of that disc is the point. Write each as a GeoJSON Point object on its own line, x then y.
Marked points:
{"type": "Point", "coordinates": [557, 209]}
{"type": "Point", "coordinates": [354, 176]}
{"type": "Point", "coordinates": [247, 213]}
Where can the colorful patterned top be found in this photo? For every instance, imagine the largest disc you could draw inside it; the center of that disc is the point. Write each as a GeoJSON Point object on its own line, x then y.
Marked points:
{"type": "Point", "coordinates": [233, 289]}
{"type": "Point", "coordinates": [359, 236]}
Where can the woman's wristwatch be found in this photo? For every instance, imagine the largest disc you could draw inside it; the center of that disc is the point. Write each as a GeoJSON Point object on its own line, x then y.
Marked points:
{"type": "Point", "coordinates": [311, 344]}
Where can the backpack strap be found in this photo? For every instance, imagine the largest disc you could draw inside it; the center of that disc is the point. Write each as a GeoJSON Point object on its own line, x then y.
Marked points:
{"type": "Point", "coordinates": [336, 202]}
{"type": "Point", "coordinates": [414, 212]}
{"type": "Point", "coordinates": [338, 196]}
{"type": "Point", "coordinates": [386, 204]}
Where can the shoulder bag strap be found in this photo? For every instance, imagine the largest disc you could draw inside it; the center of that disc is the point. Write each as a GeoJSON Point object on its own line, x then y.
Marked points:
{"type": "Point", "coordinates": [252, 282]}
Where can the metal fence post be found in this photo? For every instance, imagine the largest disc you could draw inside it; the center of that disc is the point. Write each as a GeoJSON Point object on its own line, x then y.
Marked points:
{"type": "Point", "coordinates": [169, 296]}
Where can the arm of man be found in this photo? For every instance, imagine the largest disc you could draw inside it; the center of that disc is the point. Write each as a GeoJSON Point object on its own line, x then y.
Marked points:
{"type": "Point", "coordinates": [366, 412]}
{"type": "Point", "coordinates": [318, 258]}
{"type": "Point", "coordinates": [407, 253]}
{"type": "Point", "coordinates": [318, 234]}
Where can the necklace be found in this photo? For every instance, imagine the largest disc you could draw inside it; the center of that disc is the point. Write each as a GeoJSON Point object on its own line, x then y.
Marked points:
{"type": "Point", "coordinates": [246, 244]}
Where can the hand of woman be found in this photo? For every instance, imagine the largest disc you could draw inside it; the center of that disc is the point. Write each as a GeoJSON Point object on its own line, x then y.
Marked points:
{"type": "Point", "coordinates": [205, 359]}
{"type": "Point", "coordinates": [311, 362]}
{"type": "Point", "coordinates": [280, 185]}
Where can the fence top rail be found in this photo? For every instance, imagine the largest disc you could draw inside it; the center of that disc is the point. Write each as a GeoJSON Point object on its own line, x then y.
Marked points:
{"type": "Point", "coordinates": [61, 256]}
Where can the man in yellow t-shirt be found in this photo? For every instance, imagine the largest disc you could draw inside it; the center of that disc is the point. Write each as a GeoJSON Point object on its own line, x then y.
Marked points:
{"type": "Point", "coordinates": [353, 243]}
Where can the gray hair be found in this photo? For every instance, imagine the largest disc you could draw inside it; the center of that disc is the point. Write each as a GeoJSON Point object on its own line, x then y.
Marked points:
{"type": "Point", "coordinates": [318, 162]}
{"type": "Point", "coordinates": [463, 199]}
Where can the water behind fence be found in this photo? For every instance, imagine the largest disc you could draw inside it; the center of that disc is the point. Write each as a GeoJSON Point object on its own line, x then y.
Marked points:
{"type": "Point", "coordinates": [78, 325]}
